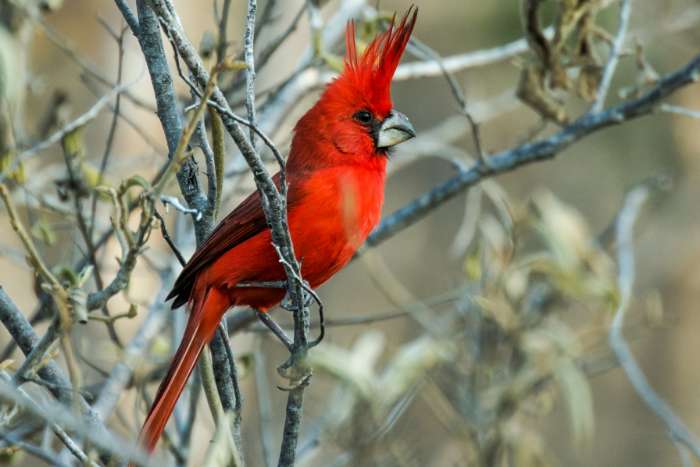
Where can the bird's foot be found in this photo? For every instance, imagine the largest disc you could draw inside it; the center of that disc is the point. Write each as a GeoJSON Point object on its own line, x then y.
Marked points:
{"type": "Point", "coordinates": [289, 305]}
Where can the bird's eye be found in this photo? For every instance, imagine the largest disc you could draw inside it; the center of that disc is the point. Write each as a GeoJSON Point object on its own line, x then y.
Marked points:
{"type": "Point", "coordinates": [363, 116]}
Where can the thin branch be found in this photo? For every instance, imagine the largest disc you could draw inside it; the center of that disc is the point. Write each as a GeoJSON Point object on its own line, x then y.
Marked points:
{"type": "Point", "coordinates": [175, 202]}
{"type": "Point", "coordinates": [460, 62]}
{"type": "Point", "coordinates": [56, 382]}
{"type": "Point", "coordinates": [271, 48]}
{"type": "Point", "coordinates": [679, 432]}
{"type": "Point", "coordinates": [249, 57]}
{"type": "Point", "coordinates": [219, 153]}
{"type": "Point", "coordinates": [169, 240]}
{"type": "Point", "coordinates": [616, 50]}
{"type": "Point", "coordinates": [276, 330]}
{"type": "Point", "coordinates": [222, 40]}
{"type": "Point", "coordinates": [131, 121]}
{"type": "Point", "coordinates": [674, 109]}
{"type": "Point", "coordinates": [36, 451]}
{"type": "Point", "coordinates": [88, 67]}
{"type": "Point", "coordinates": [226, 375]}
{"type": "Point", "coordinates": [131, 246]}
{"type": "Point", "coordinates": [166, 102]}
{"type": "Point", "coordinates": [72, 146]}
{"type": "Point", "coordinates": [234, 372]}
{"type": "Point", "coordinates": [132, 355]}
{"type": "Point", "coordinates": [206, 367]}
{"type": "Point", "coordinates": [201, 140]}
{"type": "Point", "coordinates": [227, 386]}
{"type": "Point", "coordinates": [129, 16]}
{"type": "Point", "coordinates": [59, 415]}
{"type": "Point", "coordinates": [292, 424]}
{"type": "Point", "coordinates": [37, 355]}
{"type": "Point", "coordinates": [116, 111]}
{"type": "Point", "coordinates": [70, 444]}
{"type": "Point", "coordinates": [535, 151]}
{"type": "Point", "coordinates": [82, 120]}
{"type": "Point", "coordinates": [263, 398]}
{"type": "Point", "coordinates": [457, 92]}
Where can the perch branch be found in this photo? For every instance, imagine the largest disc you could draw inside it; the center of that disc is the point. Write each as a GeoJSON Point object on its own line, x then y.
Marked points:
{"type": "Point", "coordinates": [535, 151]}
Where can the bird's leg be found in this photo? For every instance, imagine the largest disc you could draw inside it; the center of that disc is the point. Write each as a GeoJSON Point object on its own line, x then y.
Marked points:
{"type": "Point", "coordinates": [310, 296]}
{"type": "Point", "coordinates": [276, 330]}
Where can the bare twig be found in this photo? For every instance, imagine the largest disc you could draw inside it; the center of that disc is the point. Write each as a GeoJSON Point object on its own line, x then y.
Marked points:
{"type": "Point", "coordinates": [72, 151]}
{"type": "Point", "coordinates": [91, 69]}
{"type": "Point", "coordinates": [222, 40]}
{"type": "Point", "coordinates": [82, 120]}
{"type": "Point", "coordinates": [175, 202]}
{"type": "Point", "coordinates": [249, 57]}
{"type": "Point", "coordinates": [201, 139]}
{"type": "Point", "coordinates": [128, 15]}
{"type": "Point", "coordinates": [539, 150]}
{"type": "Point", "coordinates": [276, 330]}
{"type": "Point", "coordinates": [615, 51]}
{"type": "Point", "coordinates": [674, 109]}
{"type": "Point", "coordinates": [37, 355]}
{"type": "Point", "coordinates": [131, 244]}
{"type": "Point", "coordinates": [166, 103]}
{"type": "Point", "coordinates": [58, 415]}
{"type": "Point", "coordinates": [70, 444]}
{"type": "Point", "coordinates": [217, 409]}
{"type": "Point", "coordinates": [263, 398]}
{"type": "Point", "coordinates": [116, 111]}
{"type": "Point", "coordinates": [271, 48]}
{"type": "Point", "coordinates": [455, 63]}
{"type": "Point", "coordinates": [36, 451]}
{"type": "Point", "coordinates": [679, 432]}
{"type": "Point", "coordinates": [168, 239]}
{"type": "Point", "coordinates": [133, 353]}
{"type": "Point", "coordinates": [56, 382]}
{"type": "Point", "coordinates": [223, 334]}
{"type": "Point", "coordinates": [457, 92]}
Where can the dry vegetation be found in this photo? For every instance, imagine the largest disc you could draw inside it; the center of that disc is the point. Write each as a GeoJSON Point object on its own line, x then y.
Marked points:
{"type": "Point", "coordinates": [477, 337]}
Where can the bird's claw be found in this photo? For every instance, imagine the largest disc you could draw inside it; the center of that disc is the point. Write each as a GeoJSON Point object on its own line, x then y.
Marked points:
{"type": "Point", "coordinates": [297, 371]}
{"type": "Point", "coordinates": [297, 384]}
{"type": "Point", "coordinates": [289, 305]}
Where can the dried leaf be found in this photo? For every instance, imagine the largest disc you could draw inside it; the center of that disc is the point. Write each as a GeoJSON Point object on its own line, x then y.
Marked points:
{"type": "Point", "coordinates": [564, 229]}
{"type": "Point", "coordinates": [410, 365]}
{"type": "Point", "coordinates": [579, 401]}
{"type": "Point", "coordinates": [531, 90]}
{"type": "Point", "coordinates": [499, 311]}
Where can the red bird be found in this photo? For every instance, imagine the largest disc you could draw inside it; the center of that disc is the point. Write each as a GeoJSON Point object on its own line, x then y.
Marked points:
{"type": "Point", "coordinates": [335, 170]}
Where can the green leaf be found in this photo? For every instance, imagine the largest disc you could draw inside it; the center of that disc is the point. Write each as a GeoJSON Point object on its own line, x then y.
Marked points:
{"type": "Point", "coordinates": [44, 232]}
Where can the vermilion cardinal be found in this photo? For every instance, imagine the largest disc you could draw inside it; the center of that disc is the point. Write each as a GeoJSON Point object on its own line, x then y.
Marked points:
{"type": "Point", "coordinates": [335, 170]}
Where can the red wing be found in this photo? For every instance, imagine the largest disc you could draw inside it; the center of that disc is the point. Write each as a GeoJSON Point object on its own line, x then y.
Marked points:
{"type": "Point", "coordinates": [244, 222]}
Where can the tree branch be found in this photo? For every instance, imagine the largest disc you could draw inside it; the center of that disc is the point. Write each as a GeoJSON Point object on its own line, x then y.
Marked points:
{"type": "Point", "coordinates": [615, 51]}
{"type": "Point", "coordinates": [535, 151]}
{"type": "Point", "coordinates": [679, 432]}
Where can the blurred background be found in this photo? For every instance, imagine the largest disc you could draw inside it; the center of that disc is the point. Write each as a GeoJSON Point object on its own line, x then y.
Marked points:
{"type": "Point", "coordinates": [477, 335]}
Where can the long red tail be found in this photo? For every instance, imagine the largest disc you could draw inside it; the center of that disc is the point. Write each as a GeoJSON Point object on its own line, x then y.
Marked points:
{"type": "Point", "coordinates": [202, 323]}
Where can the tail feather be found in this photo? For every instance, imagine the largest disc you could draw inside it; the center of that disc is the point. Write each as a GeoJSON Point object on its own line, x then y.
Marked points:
{"type": "Point", "coordinates": [201, 326]}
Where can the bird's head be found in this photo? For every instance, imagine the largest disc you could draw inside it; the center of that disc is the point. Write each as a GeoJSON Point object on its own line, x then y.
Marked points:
{"type": "Point", "coordinates": [354, 117]}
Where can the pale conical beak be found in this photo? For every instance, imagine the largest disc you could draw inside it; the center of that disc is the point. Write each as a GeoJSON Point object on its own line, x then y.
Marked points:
{"type": "Point", "coordinates": [395, 129]}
